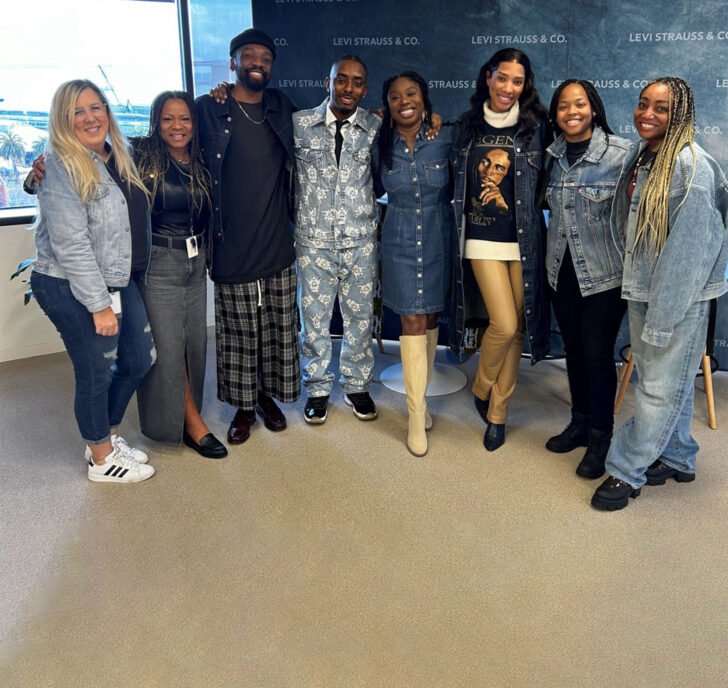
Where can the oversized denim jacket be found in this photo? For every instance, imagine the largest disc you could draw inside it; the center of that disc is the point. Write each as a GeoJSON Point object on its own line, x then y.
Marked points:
{"type": "Point", "coordinates": [692, 264]}
{"type": "Point", "coordinates": [335, 205]}
{"type": "Point", "coordinates": [466, 301]}
{"type": "Point", "coordinates": [88, 244]}
{"type": "Point", "coordinates": [214, 120]}
{"type": "Point", "coordinates": [580, 198]}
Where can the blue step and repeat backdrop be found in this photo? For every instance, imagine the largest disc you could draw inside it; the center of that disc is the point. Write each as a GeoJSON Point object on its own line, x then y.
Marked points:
{"type": "Point", "coordinates": [617, 44]}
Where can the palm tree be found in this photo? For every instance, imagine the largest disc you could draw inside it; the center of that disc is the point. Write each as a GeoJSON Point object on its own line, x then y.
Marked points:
{"type": "Point", "coordinates": [39, 146]}
{"type": "Point", "coordinates": [12, 148]}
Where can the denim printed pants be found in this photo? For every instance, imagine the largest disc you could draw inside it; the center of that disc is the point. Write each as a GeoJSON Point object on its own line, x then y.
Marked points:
{"type": "Point", "coordinates": [107, 370]}
{"type": "Point", "coordinates": [660, 427]}
{"type": "Point", "coordinates": [322, 275]}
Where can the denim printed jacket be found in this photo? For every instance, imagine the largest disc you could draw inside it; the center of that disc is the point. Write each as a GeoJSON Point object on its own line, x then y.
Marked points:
{"type": "Point", "coordinates": [214, 121]}
{"type": "Point", "coordinates": [692, 264]}
{"type": "Point", "coordinates": [466, 302]}
{"type": "Point", "coordinates": [88, 244]}
{"type": "Point", "coordinates": [335, 205]}
{"type": "Point", "coordinates": [580, 198]}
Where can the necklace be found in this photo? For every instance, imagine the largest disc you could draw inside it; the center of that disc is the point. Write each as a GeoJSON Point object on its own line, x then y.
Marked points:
{"type": "Point", "coordinates": [184, 162]}
{"type": "Point", "coordinates": [648, 156]}
{"type": "Point", "coordinates": [247, 116]}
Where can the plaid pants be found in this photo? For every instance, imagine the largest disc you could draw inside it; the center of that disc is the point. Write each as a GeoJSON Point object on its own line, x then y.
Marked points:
{"type": "Point", "coordinates": [256, 334]}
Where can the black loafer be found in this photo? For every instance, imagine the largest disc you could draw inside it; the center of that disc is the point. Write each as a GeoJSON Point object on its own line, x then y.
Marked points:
{"type": "Point", "coordinates": [495, 436]}
{"type": "Point", "coordinates": [209, 446]}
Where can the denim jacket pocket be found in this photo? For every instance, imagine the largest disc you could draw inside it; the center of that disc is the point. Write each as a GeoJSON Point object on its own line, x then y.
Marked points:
{"type": "Point", "coordinates": [393, 180]}
{"type": "Point", "coordinates": [436, 173]}
{"type": "Point", "coordinates": [597, 205]}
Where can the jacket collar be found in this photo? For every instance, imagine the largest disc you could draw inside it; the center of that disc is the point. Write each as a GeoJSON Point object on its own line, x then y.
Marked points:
{"type": "Point", "coordinates": [595, 151]}
{"type": "Point", "coordinates": [320, 112]}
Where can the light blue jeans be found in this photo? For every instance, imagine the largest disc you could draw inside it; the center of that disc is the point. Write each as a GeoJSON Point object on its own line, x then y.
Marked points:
{"type": "Point", "coordinates": [660, 427]}
{"type": "Point", "coordinates": [322, 274]}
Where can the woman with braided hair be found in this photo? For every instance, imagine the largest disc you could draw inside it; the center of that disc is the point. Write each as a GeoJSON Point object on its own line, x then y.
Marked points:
{"type": "Point", "coordinates": [669, 213]}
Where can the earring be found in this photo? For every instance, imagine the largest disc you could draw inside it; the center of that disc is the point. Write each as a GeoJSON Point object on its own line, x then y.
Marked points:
{"type": "Point", "coordinates": [423, 115]}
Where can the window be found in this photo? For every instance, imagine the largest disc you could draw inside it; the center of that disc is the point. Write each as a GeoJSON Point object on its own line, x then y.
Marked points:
{"type": "Point", "coordinates": [129, 48]}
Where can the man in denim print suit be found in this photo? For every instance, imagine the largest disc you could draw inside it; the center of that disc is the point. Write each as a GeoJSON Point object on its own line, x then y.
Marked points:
{"type": "Point", "coordinates": [335, 236]}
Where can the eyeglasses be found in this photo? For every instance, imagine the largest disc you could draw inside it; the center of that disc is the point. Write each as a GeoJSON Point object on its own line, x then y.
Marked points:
{"type": "Point", "coordinates": [94, 110]}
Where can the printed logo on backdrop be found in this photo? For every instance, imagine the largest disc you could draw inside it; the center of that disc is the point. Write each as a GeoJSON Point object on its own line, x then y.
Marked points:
{"type": "Point", "coordinates": [518, 40]}
{"type": "Point", "coordinates": [373, 41]}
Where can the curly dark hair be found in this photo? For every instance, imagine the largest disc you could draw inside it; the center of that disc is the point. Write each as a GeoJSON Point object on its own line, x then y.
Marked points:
{"type": "Point", "coordinates": [600, 115]}
{"type": "Point", "coordinates": [531, 108]}
{"type": "Point", "coordinates": [150, 153]}
{"type": "Point", "coordinates": [386, 131]}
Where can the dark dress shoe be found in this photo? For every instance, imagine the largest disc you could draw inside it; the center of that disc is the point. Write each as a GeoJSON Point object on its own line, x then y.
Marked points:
{"type": "Point", "coordinates": [239, 429]}
{"type": "Point", "coordinates": [614, 494]}
{"type": "Point", "coordinates": [495, 436]}
{"type": "Point", "coordinates": [209, 446]}
{"type": "Point", "coordinates": [658, 473]}
{"type": "Point", "coordinates": [272, 416]}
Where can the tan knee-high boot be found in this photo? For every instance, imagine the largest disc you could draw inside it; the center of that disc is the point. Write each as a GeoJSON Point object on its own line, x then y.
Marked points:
{"type": "Point", "coordinates": [431, 351]}
{"type": "Point", "coordinates": [413, 350]}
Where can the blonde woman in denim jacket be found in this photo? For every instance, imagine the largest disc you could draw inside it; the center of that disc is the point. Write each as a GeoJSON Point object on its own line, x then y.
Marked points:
{"type": "Point", "coordinates": [584, 265]}
{"type": "Point", "coordinates": [91, 237]}
{"type": "Point", "coordinates": [670, 212]}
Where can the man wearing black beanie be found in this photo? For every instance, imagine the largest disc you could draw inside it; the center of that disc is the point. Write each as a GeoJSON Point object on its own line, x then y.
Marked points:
{"type": "Point", "coordinates": [247, 142]}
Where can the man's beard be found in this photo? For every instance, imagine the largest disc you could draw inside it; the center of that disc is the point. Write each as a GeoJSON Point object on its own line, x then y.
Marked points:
{"type": "Point", "coordinates": [254, 84]}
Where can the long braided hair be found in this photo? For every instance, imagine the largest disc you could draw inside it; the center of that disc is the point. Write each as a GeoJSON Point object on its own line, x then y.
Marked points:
{"type": "Point", "coordinates": [386, 131]}
{"type": "Point", "coordinates": [652, 210]}
{"type": "Point", "coordinates": [153, 160]}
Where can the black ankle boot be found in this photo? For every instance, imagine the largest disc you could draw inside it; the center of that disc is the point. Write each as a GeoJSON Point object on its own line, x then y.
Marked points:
{"type": "Point", "coordinates": [592, 465]}
{"type": "Point", "coordinates": [576, 434]}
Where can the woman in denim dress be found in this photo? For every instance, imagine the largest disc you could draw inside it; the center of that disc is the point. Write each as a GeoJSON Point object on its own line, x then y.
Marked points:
{"type": "Point", "coordinates": [670, 213]}
{"type": "Point", "coordinates": [175, 290]}
{"type": "Point", "coordinates": [416, 235]}
{"type": "Point", "coordinates": [584, 265]}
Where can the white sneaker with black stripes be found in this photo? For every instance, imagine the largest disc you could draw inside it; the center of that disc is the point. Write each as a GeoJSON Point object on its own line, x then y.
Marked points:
{"type": "Point", "coordinates": [118, 468]}
{"type": "Point", "coordinates": [124, 448]}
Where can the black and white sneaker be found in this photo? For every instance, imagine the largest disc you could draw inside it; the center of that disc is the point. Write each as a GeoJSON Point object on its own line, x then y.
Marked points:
{"type": "Point", "coordinates": [362, 405]}
{"type": "Point", "coordinates": [316, 411]}
{"type": "Point", "coordinates": [119, 468]}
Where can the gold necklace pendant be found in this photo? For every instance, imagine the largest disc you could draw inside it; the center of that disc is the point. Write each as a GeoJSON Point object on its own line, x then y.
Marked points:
{"type": "Point", "coordinates": [247, 116]}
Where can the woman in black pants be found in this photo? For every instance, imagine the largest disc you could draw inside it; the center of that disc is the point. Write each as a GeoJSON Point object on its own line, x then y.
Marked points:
{"type": "Point", "coordinates": [584, 265]}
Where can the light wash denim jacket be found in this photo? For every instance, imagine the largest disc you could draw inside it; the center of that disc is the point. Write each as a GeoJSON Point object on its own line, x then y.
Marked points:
{"type": "Point", "coordinates": [692, 264]}
{"type": "Point", "coordinates": [580, 199]}
{"type": "Point", "coordinates": [88, 244]}
{"type": "Point", "coordinates": [335, 205]}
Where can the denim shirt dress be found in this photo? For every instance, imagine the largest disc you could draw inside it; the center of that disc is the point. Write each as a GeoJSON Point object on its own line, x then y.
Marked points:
{"type": "Point", "coordinates": [416, 246]}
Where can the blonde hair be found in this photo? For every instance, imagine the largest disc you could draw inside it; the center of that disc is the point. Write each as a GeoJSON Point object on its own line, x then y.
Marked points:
{"type": "Point", "coordinates": [653, 208]}
{"type": "Point", "coordinates": [81, 168]}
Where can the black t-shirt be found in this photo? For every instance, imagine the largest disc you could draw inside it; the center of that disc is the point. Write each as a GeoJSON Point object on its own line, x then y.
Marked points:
{"type": "Point", "coordinates": [257, 241]}
{"type": "Point", "coordinates": [490, 202]}
{"type": "Point", "coordinates": [173, 211]}
{"type": "Point", "coordinates": [136, 201]}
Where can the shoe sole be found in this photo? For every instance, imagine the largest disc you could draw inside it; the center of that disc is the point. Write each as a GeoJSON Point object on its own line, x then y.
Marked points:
{"type": "Point", "coordinates": [109, 479]}
{"type": "Point", "coordinates": [315, 420]}
{"type": "Point", "coordinates": [360, 416]}
{"type": "Point", "coordinates": [589, 475]}
{"type": "Point", "coordinates": [678, 476]}
{"type": "Point", "coordinates": [565, 451]}
{"type": "Point", "coordinates": [603, 505]}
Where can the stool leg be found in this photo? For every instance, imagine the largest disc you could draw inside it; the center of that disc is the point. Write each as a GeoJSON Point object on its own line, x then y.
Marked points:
{"type": "Point", "coordinates": [628, 368]}
{"type": "Point", "coordinates": [708, 378]}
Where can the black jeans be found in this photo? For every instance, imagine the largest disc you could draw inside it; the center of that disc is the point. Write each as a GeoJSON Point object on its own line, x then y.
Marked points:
{"type": "Point", "coordinates": [589, 327]}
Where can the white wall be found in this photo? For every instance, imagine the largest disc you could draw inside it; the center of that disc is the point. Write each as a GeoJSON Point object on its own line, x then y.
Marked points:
{"type": "Point", "coordinates": [25, 331]}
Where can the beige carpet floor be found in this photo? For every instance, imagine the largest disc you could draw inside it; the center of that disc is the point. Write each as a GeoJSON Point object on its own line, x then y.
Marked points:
{"type": "Point", "coordinates": [329, 556]}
